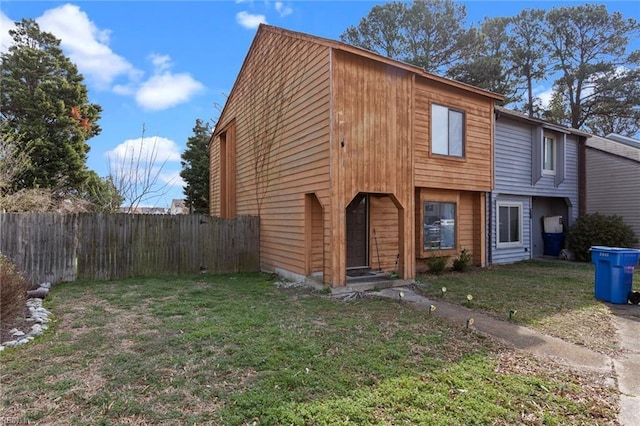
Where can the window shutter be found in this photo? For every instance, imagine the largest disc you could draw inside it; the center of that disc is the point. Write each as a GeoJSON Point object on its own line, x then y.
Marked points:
{"type": "Point", "coordinates": [536, 154]}
{"type": "Point", "coordinates": [560, 159]}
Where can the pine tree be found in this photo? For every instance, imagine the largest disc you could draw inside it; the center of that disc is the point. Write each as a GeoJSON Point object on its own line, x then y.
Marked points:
{"type": "Point", "coordinates": [598, 77]}
{"type": "Point", "coordinates": [44, 102]}
{"type": "Point", "coordinates": [195, 168]}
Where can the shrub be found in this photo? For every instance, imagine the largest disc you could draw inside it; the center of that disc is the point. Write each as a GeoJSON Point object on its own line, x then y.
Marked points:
{"type": "Point", "coordinates": [599, 230]}
{"type": "Point", "coordinates": [462, 262]}
{"type": "Point", "coordinates": [13, 290]}
{"type": "Point", "coordinates": [436, 263]}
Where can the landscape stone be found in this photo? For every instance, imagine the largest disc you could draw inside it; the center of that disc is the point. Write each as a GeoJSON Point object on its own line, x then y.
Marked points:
{"type": "Point", "coordinates": [38, 315]}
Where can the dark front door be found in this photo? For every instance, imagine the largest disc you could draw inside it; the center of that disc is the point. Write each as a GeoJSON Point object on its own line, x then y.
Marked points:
{"type": "Point", "coordinates": [357, 233]}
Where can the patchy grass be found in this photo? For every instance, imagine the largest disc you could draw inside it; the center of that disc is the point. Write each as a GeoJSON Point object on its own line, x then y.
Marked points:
{"type": "Point", "coordinates": [235, 350]}
{"type": "Point", "coordinates": [556, 298]}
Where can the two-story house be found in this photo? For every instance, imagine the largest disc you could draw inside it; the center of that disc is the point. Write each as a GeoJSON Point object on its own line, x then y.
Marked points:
{"type": "Point", "coordinates": [613, 178]}
{"type": "Point", "coordinates": [353, 161]}
{"type": "Point", "coordinates": [539, 172]}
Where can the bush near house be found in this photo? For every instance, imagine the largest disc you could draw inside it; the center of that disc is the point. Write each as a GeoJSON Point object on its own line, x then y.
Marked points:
{"type": "Point", "coordinates": [13, 290]}
{"type": "Point", "coordinates": [462, 262]}
{"type": "Point", "coordinates": [437, 263]}
{"type": "Point", "coordinates": [599, 230]}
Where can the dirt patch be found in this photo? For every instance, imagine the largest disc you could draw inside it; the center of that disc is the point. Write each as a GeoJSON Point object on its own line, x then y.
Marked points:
{"type": "Point", "coordinates": [593, 329]}
{"type": "Point", "coordinates": [598, 389]}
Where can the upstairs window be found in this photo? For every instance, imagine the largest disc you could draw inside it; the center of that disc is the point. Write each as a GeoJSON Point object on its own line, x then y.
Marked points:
{"type": "Point", "coordinates": [447, 131]}
{"type": "Point", "coordinates": [548, 155]}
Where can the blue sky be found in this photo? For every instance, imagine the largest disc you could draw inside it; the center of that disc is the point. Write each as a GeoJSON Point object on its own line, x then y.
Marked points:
{"type": "Point", "coordinates": [162, 64]}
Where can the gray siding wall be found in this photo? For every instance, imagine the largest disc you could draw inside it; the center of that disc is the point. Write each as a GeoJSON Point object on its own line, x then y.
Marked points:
{"type": "Point", "coordinates": [513, 178]}
{"type": "Point", "coordinates": [511, 254]}
{"type": "Point", "coordinates": [613, 187]}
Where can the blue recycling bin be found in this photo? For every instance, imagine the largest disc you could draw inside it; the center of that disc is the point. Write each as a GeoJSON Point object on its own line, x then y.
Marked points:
{"type": "Point", "coordinates": [614, 272]}
{"type": "Point", "coordinates": [552, 243]}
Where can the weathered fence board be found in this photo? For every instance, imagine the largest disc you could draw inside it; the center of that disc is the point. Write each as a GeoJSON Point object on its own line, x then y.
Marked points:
{"type": "Point", "coordinates": [95, 246]}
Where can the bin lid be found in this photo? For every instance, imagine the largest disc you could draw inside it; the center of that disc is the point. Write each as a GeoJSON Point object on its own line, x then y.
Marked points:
{"type": "Point", "coordinates": [614, 249]}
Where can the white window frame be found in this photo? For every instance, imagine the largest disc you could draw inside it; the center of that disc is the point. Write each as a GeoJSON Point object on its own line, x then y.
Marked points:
{"type": "Point", "coordinates": [435, 150]}
{"type": "Point", "coordinates": [549, 171]}
{"type": "Point", "coordinates": [509, 244]}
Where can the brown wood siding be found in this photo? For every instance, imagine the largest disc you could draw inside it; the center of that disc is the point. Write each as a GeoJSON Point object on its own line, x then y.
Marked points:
{"type": "Point", "coordinates": [340, 121]}
{"type": "Point", "coordinates": [465, 223]}
{"type": "Point", "coordinates": [281, 100]}
{"type": "Point", "coordinates": [317, 237]}
{"type": "Point", "coordinates": [473, 171]}
{"type": "Point", "coordinates": [214, 177]}
{"type": "Point", "coordinates": [372, 149]}
{"type": "Point", "coordinates": [470, 222]}
{"type": "Point", "coordinates": [227, 171]}
{"type": "Point", "coordinates": [383, 233]}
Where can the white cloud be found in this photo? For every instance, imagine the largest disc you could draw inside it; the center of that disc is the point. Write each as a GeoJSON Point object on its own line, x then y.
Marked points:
{"type": "Point", "coordinates": [172, 178]}
{"type": "Point", "coordinates": [124, 89]}
{"type": "Point", "coordinates": [145, 169]}
{"type": "Point", "coordinates": [86, 45]}
{"type": "Point", "coordinates": [250, 21]}
{"type": "Point", "coordinates": [160, 62]}
{"type": "Point", "coordinates": [152, 151]}
{"type": "Point", "coordinates": [282, 9]}
{"type": "Point", "coordinates": [165, 90]}
{"type": "Point", "coordinates": [6, 24]}
{"type": "Point", "coordinates": [545, 94]}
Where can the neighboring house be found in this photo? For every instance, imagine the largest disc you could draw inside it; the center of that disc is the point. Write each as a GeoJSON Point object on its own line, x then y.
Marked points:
{"type": "Point", "coordinates": [178, 207]}
{"type": "Point", "coordinates": [143, 210]}
{"type": "Point", "coordinates": [353, 161]}
{"type": "Point", "coordinates": [537, 175]}
{"type": "Point", "coordinates": [613, 178]}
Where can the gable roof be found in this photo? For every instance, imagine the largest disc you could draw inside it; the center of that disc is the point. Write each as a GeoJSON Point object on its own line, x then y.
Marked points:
{"type": "Point", "coordinates": [623, 148]}
{"type": "Point", "coordinates": [635, 143]}
{"type": "Point", "coordinates": [338, 45]}
{"type": "Point", "coordinates": [264, 30]}
{"type": "Point", "coordinates": [519, 116]}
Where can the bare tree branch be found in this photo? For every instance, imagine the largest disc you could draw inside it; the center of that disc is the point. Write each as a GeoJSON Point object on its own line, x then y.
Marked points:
{"type": "Point", "coordinates": [137, 176]}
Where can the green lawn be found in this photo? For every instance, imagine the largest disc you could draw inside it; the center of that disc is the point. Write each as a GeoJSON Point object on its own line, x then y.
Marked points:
{"type": "Point", "coordinates": [554, 297]}
{"type": "Point", "coordinates": [235, 349]}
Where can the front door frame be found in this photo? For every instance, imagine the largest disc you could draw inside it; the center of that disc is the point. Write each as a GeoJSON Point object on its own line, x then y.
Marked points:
{"type": "Point", "coordinates": [357, 215]}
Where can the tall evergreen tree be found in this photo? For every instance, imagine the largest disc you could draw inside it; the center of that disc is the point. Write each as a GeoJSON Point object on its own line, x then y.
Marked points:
{"type": "Point", "coordinates": [528, 53]}
{"type": "Point", "coordinates": [589, 51]}
{"type": "Point", "coordinates": [436, 38]}
{"type": "Point", "coordinates": [44, 101]}
{"type": "Point", "coordinates": [429, 34]}
{"type": "Point", "coordinates": [486, 62]}
{"type": "Point", "coordinates": [381, 30]}
{"type": "Point", "coordinates": [195, 168]}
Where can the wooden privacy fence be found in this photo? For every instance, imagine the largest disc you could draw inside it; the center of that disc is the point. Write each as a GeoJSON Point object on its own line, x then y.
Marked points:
{"type": "Point", "coordinates": [56, 247]}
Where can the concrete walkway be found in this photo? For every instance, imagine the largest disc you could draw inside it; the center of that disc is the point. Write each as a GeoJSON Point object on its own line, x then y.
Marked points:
{"type": "Point", "coordinates": [626, 367]}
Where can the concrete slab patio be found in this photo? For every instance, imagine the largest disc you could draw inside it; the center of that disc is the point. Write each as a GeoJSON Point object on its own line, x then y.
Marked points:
{"type": "Point", "coordinates": [626, 367]}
